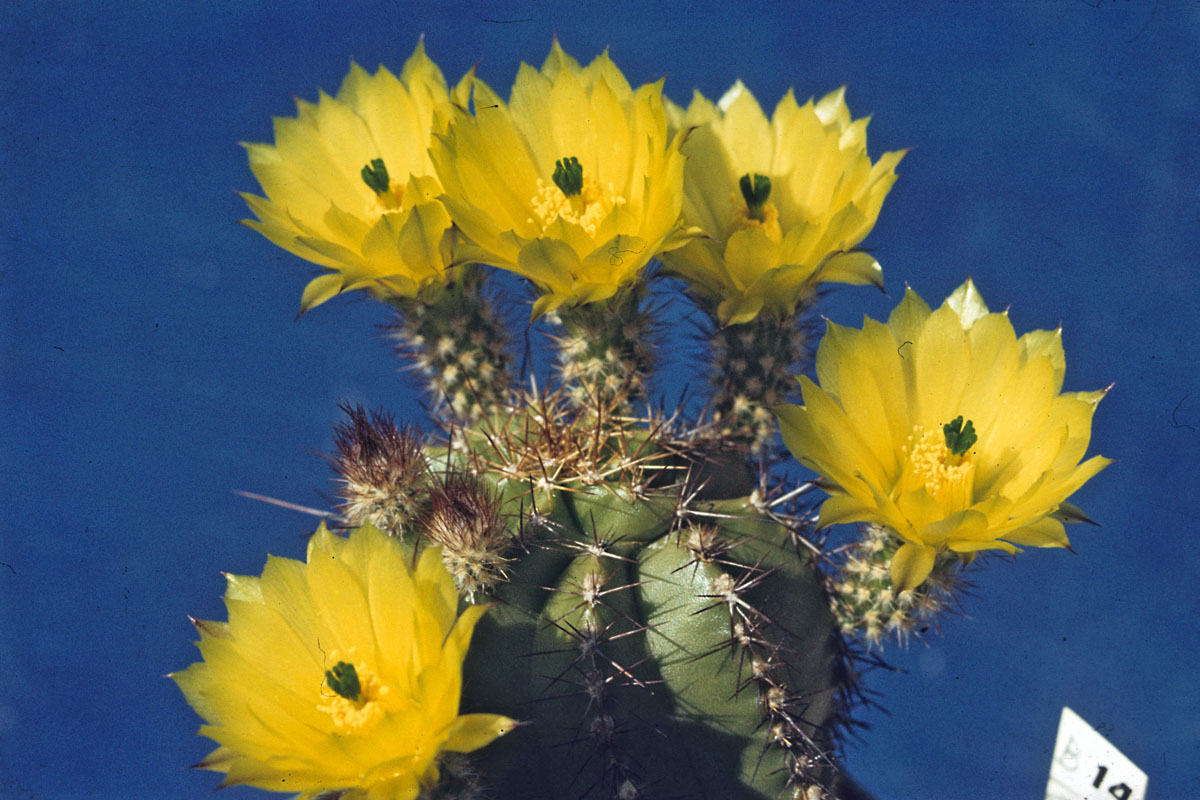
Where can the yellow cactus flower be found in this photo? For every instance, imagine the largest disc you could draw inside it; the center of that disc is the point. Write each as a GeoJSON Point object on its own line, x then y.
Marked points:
{"type": "Point", "coordinates": [947, 429]}
{"type": "Point", "coordinates": [782, 202]}
{"type": "Point", "coordinates": [340, 674]}
{"type": "Point", "coordinates": [349, 184]}
{"type": "Point", "coordinates": [574, 183]}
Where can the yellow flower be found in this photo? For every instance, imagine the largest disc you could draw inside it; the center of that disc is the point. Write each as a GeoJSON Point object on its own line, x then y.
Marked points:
{"type": "Point", "coordinates": [340, 674]}
{"type": "Point", "coordinates": [350, 186]}
{"type": "Point", "coordinates": [783, 201]}
{"type": "Point", "coordinates": [573, 184]}
{"type": "Point", "coordinates": [947, 429]}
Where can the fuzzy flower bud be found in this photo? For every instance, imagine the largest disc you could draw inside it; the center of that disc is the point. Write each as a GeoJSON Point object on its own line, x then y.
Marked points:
{"type": "Point", "coordinates": [381, 469]}
{"type": "Point", "coordinates": [463, 517]}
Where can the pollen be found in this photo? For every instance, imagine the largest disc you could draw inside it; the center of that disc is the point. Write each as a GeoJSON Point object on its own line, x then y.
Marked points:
{"type": "Point", "coordinates": [586, 209]}
{"type": "Point", "coordinates": [947, 477]}
{"type": "Point", "coordinates": [356, 716]}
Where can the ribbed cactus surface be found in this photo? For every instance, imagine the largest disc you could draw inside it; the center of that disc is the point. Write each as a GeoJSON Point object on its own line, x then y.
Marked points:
{"type": "Point", "coordinates": [657, 657]}
{"type": "Point", "coordinates": [659, 628]}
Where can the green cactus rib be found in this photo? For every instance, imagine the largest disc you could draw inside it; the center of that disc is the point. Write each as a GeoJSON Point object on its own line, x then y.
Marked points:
{"type": "Point", "coordinates": [648, 669]}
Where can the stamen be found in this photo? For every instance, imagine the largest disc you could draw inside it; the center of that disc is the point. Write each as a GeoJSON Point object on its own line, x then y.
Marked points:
{"type": "Point", "coordinates": [949, 477]}
{"type": "Point", "coordinates": [360, 699]}
{"type": "Point", "coordinates": [587, 208]}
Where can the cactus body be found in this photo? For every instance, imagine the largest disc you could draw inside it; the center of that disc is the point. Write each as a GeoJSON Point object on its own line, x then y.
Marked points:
{"type": "Point", "coordinates": [662, 632]}
{"type": "Point", "coordinates": [662, 640]}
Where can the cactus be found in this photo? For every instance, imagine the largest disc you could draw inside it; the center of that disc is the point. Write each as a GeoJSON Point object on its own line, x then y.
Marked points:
{"type": "Point", "coordinates": [664, 632]}
{"type": "Point", "coordinates": [651, 606]}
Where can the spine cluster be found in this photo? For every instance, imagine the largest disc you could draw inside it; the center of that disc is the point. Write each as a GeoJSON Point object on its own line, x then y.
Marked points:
{"type": "Point", "coordinates": [605, 353]}
{"type": "Point", "coordinates": [463, 517]}
{"type": "Point", "coordinates": [866, 604]}
{"type": "Point", "coordinates": [457, 339]}
{"type": "Point", "coordinates": [754, 368]}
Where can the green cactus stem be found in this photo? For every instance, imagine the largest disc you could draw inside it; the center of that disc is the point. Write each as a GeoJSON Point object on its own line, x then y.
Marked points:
{"type": "Point", "coordinates": [605, 352]}
{"type": "Point", "coordinates": [661, 641]}
{"type": "Point", "coordinates": [754, 368]}
{"type": "Point", "coordinates": [457, 339]}
{"type": "Point", "coordinates": [663, 634]}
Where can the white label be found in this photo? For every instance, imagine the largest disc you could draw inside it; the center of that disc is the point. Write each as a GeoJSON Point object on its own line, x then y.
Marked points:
{"type": "Point", "coordinates": [1087, 767]}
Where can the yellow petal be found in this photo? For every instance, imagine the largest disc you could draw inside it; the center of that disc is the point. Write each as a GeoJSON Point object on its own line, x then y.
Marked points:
{"type": "Point", "coordinates": [473, 731]}
{"type": "Point", "coordinates": [843, 508]}
{"type": "Point", "coordinates": [968, 304]}
{"type": "Point", "coordinates": [747, 255]}
{"type": "Point", "coordinates": [911, 565]}
{"type": "Point", "coordinates": [319, 290]}
{"type": "Point", "coordinates": [874, 429]}
{"type": "Point", "coordinates": [856, 268]}
{"type": "Point", "coordinates": [266, 684]}
{"type": "Point", "coordinates": [1046, 532]}
{"type": "Point", "coordinates": [318, 205]}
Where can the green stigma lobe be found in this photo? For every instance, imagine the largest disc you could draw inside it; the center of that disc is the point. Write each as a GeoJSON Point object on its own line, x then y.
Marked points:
{"type": "Point", "coordinates": [375, 175]}
{"type": "Point", "coordinates": [568, 175]}
{"type": "Point", "coordinates": [343, 679]}
{"type": "Point", "coordinates": [959, 437]}
{"type": "Point", "coordinates": [755, 189]}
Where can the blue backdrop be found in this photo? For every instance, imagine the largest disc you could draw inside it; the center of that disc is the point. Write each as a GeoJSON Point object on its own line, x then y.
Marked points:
{"type": "Point", "coordinates": [151, 362]}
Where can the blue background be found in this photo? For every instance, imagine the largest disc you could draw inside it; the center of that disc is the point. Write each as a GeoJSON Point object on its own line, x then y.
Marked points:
{"type": "Point", "coordinates": [151, 362]}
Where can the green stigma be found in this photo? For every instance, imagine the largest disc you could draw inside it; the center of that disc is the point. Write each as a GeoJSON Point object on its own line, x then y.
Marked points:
{"type": "Point", "coordinates": [568, 175]}
{"type": "Point", "coordinates": [959, 437]}
{"type": "Point", "coordinates": [755, 189]}
{"type": "Point", "coordinates": [375, 175]}
{"type": "Point", "coordinates": [344, 680]}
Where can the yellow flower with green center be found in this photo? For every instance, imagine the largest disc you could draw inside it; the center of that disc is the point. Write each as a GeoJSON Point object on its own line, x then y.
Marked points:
{"type": "Point", "coordinates": [782, 202]}
{"type": "Point", "coordinates": [947, 429]}
{"type": "Point", "coordinates": [339, 674]}
{"type": "Point", "coordinates": [349, 184]}
{"type": "Point", "coordinates": [573, 184]}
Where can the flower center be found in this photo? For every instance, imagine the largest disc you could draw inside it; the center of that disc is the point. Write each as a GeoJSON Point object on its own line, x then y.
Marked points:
{"type": "Point", "coordinates": [751, 211]}
{"type": "Point", "coordinates": [587, 207]}
{"type": "Point", "coordinates": [756, 189]}
{"type": "Point", "coordinates": [353, 697]}
{"type": "Point", "coordinates": [573, 198]}
{"type": "Point", "coordinates": [389, 194]}
{"type": "Point", "coordinates": [948, 477]}
{"type": "Point", "coordinates": [767, 222]}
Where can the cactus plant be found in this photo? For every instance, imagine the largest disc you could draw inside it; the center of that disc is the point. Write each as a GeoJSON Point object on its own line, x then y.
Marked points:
{"type": "Point", "coordinates": [661, 626]}
{"type": "Point", "coordinates": [653, 615]}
